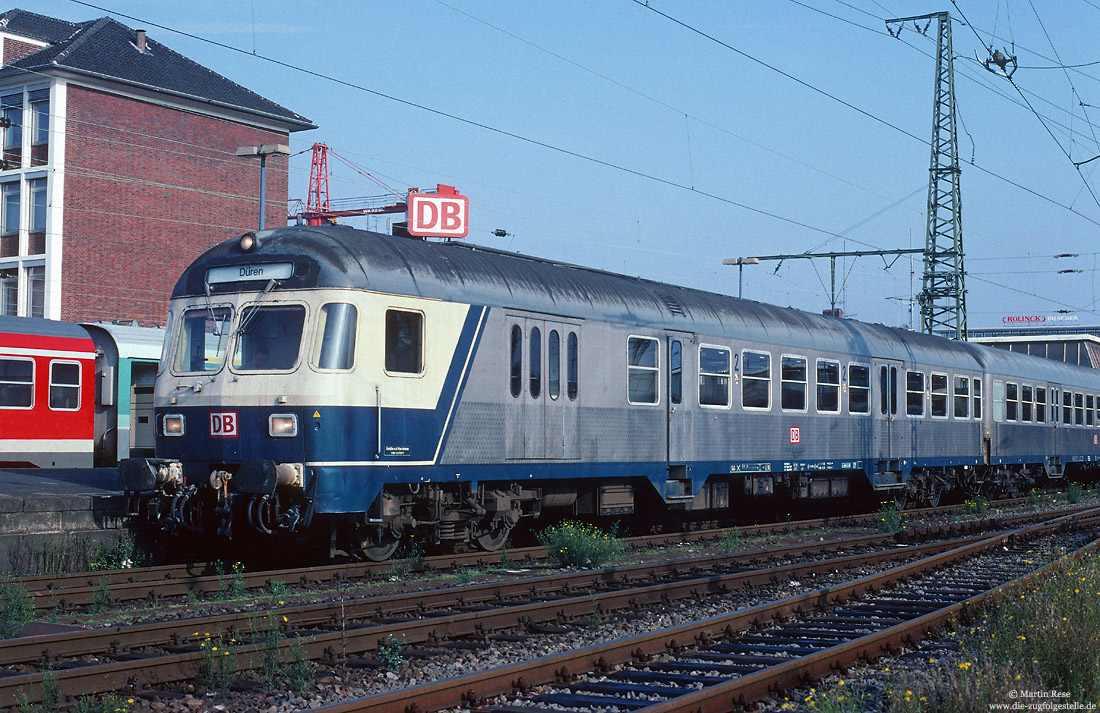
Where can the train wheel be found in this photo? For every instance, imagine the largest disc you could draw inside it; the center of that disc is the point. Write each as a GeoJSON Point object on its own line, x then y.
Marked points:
{"type": "Point", "coordinates": [493, 539]}
{"type": "Point", "coordinates": [372, 542]}
{"type": "Point", "coordinates": [934, 496]}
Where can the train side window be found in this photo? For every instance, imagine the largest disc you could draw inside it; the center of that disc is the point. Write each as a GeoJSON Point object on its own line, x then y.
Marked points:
{"type": "Point", "coordinates": [1027, 397]}
{"type": "Point", "coordinates": [16, 383]}
{"type": "Point", "coordinates": [756, 380]}
{"type": "Point", "coordinates": [642, 370]}
{"type": "Point", "coordinates": [1079, 409]}
{"type": "Point", "coordinates": [572, 359]}
{"type": "Point", "coordinates": [962, 397]}
{"type": "Point", "coordinates": [534, 385]}
{"type": "Point", "coordinates": [859, 388]}
{"type": "Point", "coordinates": [714, 376]}
{"type": "Point", "coordinates": [553, 365]}
{"type": "Point", "coordinates": [1067, 408]}
{"type": "Point", "coordinates": [792, 377]}
{"type": "Point", "coordinates": [204, 334]}
{"type": "Point", "coordinates": [939, 395]}
{"type": "Point", "coordinates": [404, 342]}
{"type": "Point", "coordinates": [64, 386]}
{"type": "Point", "coordinates": [1012, 402]}
{"type": "Point", "coordinates": [998, 401]}
{"type": "Point", "coordinates": [1040, 404]}
{"type": "Point", "coordinates": [515, 377]}
{"type": "Point", "coordinates": [977, 383]}
{"type": "Point", "coordinates": [1088, 410]}
{"type": "Point", "coordinates": [335, 341]}
{"type": "Point", "coordinates": [893, 391]}
{"type": "Point", "coordinates": [914, 393]}
{"type": "Point", "coordinates": [675, 371]}
{"type": "Point", "coordinates": [828, 386]}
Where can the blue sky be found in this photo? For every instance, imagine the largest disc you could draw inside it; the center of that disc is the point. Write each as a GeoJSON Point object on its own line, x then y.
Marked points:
{"type": "Point", "coordinates": [651, 150]}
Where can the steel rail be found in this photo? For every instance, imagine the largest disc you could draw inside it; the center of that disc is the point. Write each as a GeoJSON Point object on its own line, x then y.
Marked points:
{"type": "Point", "coordinates": [476, 688]}
{"type": "Point", "coordinates": [342, 641]}
{"type": "Point", "coordinates": [78, 589]}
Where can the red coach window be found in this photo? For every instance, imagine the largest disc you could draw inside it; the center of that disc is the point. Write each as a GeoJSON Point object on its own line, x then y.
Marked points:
{"type": "Point", "coordinates": [64, 385]}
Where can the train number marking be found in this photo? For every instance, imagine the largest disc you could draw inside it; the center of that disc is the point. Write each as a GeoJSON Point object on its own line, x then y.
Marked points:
{"type": "Point", "coordinates": [223, 424]}
{"type": "Point", "coordinates": [796, 435]}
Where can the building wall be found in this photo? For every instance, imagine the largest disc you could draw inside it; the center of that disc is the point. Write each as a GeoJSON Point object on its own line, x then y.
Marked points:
{"type": "Point", "coordinates": [147, 189]}
{"type": "Point", "coordinates": [14, 49]}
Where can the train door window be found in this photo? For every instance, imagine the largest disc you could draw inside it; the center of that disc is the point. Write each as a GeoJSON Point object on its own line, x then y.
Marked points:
{"type": "Point", "coordinates": [201, 345]}
{"type": "Point", "coordinates": [939, 395]}
{"type": "Point", "coordinates": [884, 390]}
{"type": "Point", "coordinates": [859, 388]}
{"type": "Point", "coordinates": [1067, 408]}
{"type": "Point", "coordinates": [893, 391]}
{"type": "Point", "coordinates": [572, 358]}
{"type": "Point", "coordinates": [998, 401]}
{"type": "Point", "coordinates": [269, 338]}
{"type": "Point", "coordinates": [914, 393]}
{"type": "Point", "coordinates": [1079, 409]}
{"type": "Point", "coordinates": [1054, 401]}
{"type": "Point", "coordinates": [977, 397]}
{"type": "Point", "coordinates": [642, 366]}
{"type": "Point", "coordinates": [1088, 409]}
{"type": "Point", "coordinates": [756, 380]}
{"type": "Point", "coordinates": [534, 343]}
{"type": "Point", "coordinates": [404, 342]}
{"type": "Point", "coordinates": [1027, 402]}
{"type": "Point", "coordinates": [828, 386]}
{"type": "Point", "coordinates": [515, 377]}
{"type": "Point", "coordinates": [64, 386]}
{"type": "Point", "coordinates": [1040, 404]}
{"type": "Point", "coordinates": [714, 376]}
{"type": "Point", "coordinates": [962, 397]}
{"type": "Point", "coordinates": [675, 371]}
{"type": "Point", "coordinates": [553, 365]}
{"type": "Point", "coordinates": [335, 341]}
{"type": "Point", "coordinates": [16, 383]}
{"type": "Point", "coordinates": [792, 376]}
{"type": "Point", "coordinates": [1012, 402]}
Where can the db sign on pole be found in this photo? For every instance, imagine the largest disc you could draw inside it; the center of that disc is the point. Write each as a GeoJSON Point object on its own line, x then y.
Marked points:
{"type": "Point", "coordinates": [439, 215]}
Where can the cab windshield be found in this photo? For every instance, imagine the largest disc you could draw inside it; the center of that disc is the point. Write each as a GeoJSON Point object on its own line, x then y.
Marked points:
{"type": "Point", "coordinates": [269, 338]}
{"type": "Point", "coordinates": [204, 334]}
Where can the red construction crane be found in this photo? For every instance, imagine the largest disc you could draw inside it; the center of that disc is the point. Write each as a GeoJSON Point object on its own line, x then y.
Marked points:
{"type": "Point", "coordinates": [318, 209]}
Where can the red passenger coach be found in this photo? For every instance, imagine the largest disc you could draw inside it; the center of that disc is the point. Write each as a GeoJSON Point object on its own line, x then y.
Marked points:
{"type": "Point", "coordinates": [47, 394]}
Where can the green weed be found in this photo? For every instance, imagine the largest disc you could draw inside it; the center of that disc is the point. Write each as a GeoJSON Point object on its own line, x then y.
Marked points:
{"type": "Point", "coordinates": [572, 544]}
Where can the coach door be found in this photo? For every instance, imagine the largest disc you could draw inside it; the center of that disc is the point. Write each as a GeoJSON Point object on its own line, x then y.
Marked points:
{"type": "Point", "coordinates": [541, 411]}
{"type": "Point", "coordinates": [680, 399]}
{"type": "Point", "coordinates": [889, 422]}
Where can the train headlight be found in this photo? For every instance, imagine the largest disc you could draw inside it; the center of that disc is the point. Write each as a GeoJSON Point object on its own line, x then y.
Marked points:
{"type": "Point", "coordinates": [174, 425]}
{"type": "Point", "coordinates": [248, 242]}
{"type": "Point", "coordinates": [282, 425]}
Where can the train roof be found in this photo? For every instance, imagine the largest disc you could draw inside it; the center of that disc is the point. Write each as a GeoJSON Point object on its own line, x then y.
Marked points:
{"type": "Point", "coordinates": [41, 327]}
{"type": "Point", "coordinates": [336, 256]}
{"type": "Point", "coordinates": [132, 341]}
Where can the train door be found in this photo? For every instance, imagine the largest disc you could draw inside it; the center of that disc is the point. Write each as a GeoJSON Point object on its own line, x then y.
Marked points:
{"type": "Point", "coordinates": [541, 412]}
{"type": "Point", "coordinates": [889, 428]}
{"type": "Point", "coordinates": [680, 399]}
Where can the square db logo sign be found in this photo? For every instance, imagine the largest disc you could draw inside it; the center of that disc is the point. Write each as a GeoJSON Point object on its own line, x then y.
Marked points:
{"type": "Point", "coordinates": [223, 424]}
{"type": "Point", "coordinates": [796, 435]}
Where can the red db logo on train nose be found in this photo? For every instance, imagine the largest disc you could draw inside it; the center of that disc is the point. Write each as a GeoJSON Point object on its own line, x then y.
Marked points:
{"type": "Point", "coordinates": [223, 424]}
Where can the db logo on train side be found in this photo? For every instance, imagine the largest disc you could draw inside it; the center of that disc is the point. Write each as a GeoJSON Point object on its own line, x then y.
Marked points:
{"type": "Point", "coordinates": [223, 424]}
{"type": "Point", "coordinates": [442, 214]}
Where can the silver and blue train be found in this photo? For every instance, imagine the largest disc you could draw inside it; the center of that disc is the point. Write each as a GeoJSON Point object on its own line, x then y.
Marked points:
{"type": "Point", "coordinates": [371, 387]}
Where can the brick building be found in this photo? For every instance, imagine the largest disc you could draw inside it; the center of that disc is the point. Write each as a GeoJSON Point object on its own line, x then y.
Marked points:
{"type": "Point", "coordinates": [120, 167]}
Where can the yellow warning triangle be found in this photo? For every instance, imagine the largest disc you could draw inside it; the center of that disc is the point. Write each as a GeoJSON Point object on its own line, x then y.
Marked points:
{"type": "Point", "coordinates": [317, 414]}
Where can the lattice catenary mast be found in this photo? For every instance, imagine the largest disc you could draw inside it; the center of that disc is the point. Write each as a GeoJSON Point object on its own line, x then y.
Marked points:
{"type": "Point", "coordinates": [943, 294]}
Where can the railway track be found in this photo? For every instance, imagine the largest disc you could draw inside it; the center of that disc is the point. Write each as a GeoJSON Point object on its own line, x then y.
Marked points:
{"type": "Point", "coordinates": [723, 662]}
{"type": "Point", "coordinates": [153, 655]}
{"type": "Point", "coordinates": [198, 579]}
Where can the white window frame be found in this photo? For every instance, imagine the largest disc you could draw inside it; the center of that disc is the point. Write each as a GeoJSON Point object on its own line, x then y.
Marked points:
{"type": "Point", "coordinates": [847, 379]}
{"type": "Point", "coordinates": [655, 368]}
{"type": "Point", "coordinates": [805, 384]}
{"type": "Point", "coordinates": [744, 378]}
{"type": "Point", "coordinates": [956, 379]}
{"type": "Point", "coordinates": [923, 393]}
{"type": "Point", "coordinates": [79, 384]}
{"type": "Point", "coordinates": [947, 405]}
{"type": "Point", "coordinates": [34, 381]}
{"type": "Point", "coordinates": [818, 385]}
{"type": "Point", "coordinates": [728, 376]}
